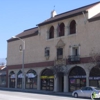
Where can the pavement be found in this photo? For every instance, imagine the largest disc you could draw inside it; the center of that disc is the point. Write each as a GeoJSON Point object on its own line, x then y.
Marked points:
{"type": "Point", "coordinates": [37, 91]}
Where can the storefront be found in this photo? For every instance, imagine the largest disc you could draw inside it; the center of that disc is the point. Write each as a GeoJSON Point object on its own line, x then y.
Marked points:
{"type": "Point", "coordinates": [77, 78]}
{"type": "Point", "coordinates": [94, 77]}
{"type": "Point", "coordinates": [31, 80]}
{"type": "Point", "coordinates": [12, 79]}
{"type": "Point", "coordinates": [47, 80]}
{"type": "Point", "coordinates": [19, 79]}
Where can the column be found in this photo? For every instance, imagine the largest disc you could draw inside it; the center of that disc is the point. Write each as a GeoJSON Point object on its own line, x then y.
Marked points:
{"type": "Point", "coordinates": [56, 84]}
{"type": "Point", "coordinates": [87, 78]}
{"type": "Point", "coordinates": [38, 82]}
{"type": "Point", "coordinates": [16, 81]}
{"type": "Point", "coordinates": [65, 83]}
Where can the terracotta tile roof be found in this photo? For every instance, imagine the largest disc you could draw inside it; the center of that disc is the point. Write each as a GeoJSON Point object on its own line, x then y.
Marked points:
{"type": "Point", "coordinates": [2, 68]}
{"type": "Point", "coordinates": [68, 14]}
{"type": "Point", "coordinates": [26, 33]}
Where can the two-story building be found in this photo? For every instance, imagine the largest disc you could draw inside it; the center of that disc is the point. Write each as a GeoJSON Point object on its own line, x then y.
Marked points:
{"type": "Point", "coordinates": [57, 53]}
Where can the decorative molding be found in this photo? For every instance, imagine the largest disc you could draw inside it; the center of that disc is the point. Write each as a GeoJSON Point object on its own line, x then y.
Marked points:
{"type": "Point", "coordinates": [60, 43]}
{"type": "Point", "coordinates": [60, 62]}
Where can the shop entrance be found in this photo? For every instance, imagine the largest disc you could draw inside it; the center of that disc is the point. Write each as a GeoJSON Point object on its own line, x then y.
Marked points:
{"type": "Point", "coordinates": [60, 82]}
{"type": "Point", "coordinates": [77, 78]}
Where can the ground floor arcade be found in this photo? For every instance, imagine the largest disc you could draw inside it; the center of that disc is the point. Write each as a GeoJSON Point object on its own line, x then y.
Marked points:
{"type": "Point", "coordinates": [43, 78]}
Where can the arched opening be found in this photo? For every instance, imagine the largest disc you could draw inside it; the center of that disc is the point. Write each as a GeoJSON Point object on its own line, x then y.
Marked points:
{"type": "Point", "coordinates": [94, 77]}
{"type": "Point", "coordinates": [31, 80]}
{"type": "Point", "coordinates": [77, 78]}
{"type": "Point", "coordinates": [19, 79]}
{"type": "Point", "coordinates": [47, 80]}
{"type": "Point", "coordinates": [73, 27]}
{"type": "Point", "coordinates": [51, 32]}
{"type": "Point", "coordinates": [62, 30]}
{"type": "Point", "coordinates": [12, 79]}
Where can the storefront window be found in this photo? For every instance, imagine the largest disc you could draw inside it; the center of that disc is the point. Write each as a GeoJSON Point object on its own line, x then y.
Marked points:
{"type": "Point", "coordinates": [77, 78]}
{"type": "Point", "coordinates": [31, 80]}
{"type": "Point", "coordinates": [47, 80]}
{"type": "Point", "coordinates": [12, 80]}
{"type": "Point", "coordinates": [19, 79]}
{"type": "Point", "coordinates": [94, 77]}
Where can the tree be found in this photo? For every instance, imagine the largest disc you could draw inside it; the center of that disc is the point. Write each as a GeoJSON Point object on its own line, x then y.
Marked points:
{"type": "Point", "coordinates": [59, 66]}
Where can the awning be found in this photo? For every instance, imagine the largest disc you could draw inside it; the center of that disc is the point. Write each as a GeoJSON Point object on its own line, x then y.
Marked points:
{"type": "Point", "coordinates": [12, 76]}
{"type": "Point", "coordinates": [30, 75]}
{"type": "Point", "coordinates": [2, 73]}
{"type": "Point", "coordinates": [20, 75]}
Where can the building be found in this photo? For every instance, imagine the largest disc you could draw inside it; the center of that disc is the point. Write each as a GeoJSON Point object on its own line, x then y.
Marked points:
{"type": "Point", "coordinates": [3, 76]}
{"type": "Point", "coordinates": [58, 52]}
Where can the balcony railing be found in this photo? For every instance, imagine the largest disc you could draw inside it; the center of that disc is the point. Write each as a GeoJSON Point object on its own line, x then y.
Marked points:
{"type": "Point", "coordinates": [74, 58]}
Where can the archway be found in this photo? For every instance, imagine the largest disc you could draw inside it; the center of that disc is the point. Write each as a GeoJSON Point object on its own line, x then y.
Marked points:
{"type": "Point", "coordinates": [77, 78]}
{"type": "Point", "coordinates": [12, 79]}
{"type": "Point", "coordinates": [94, 77]}
{"type": "Point", "coordinates": [31, 79]}
{"type": "Point", "coordinates": [19, 79]}
{"type": "Point", "coordinates": [47, 80]}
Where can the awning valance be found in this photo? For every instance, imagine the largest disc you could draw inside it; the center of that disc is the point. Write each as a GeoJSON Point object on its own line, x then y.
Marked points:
{"type": "Point", "coordinates": [12, 76]}
{"type": "Point", "coordinates": [20, 75]}
{"type": "Point", "coordinates": [30, 75]}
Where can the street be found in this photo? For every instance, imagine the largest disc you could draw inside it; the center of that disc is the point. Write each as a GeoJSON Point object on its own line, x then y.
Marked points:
{"type": "Point", "coordinates": [12, 95]}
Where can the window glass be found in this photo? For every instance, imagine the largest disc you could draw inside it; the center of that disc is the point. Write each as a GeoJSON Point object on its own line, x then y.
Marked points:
{"type": "Point", "coordinates": [73, 27]}
{"type": "Point", "coordinates": [59, 53]}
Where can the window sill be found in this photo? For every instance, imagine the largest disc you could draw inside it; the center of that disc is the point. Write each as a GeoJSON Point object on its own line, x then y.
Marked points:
{"type": "Point", "coordinates": [72, 35]}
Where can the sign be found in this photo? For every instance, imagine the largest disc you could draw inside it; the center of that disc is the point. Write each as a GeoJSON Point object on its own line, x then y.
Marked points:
{"type": "Point", "coordinates": [83, 76]}
{"type": "Point", "coordinates": [94, 78]}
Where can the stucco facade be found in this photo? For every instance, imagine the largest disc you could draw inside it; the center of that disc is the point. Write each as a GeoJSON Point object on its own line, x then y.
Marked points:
{"type": "Point", "coordinates": [86, 39]}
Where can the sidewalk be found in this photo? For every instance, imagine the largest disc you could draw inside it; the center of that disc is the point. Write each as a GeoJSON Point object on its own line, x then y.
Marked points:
{"type": "Point", "coordinates": [37, 91]}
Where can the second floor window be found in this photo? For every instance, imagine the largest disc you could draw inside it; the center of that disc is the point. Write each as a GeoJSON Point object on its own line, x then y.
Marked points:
{"type": "Point", "coordinates": [75, 51]}
{"type": "Point", "coordinates": [59, 53]}
{"type": "Point", "coordinates": [61, 30]}
{"type": "Point", "coordinates": [72, 27]}
{"type": "Point", "coordinates": [51, 32]}
{"type": "Point", "coordinates": [47, 52]}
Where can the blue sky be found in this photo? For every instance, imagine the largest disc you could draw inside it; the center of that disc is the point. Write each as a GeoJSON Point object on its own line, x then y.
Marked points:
{"type": "Point", "coordinates": [19, 15]}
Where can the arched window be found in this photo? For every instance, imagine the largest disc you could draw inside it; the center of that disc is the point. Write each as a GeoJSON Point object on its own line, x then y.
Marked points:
{"type": "Point", "coordinates": [73, 27]}
{"type": "Point", "coordinates": [31, 79]}
{"type": "Point", "coordinates": [51, 32]}
{"type": "Point", "coordinates": [19, 79]}
{"type": "Point", "coordinates": [61, 29]}
{"type": "Point", "coordinates": [47, 80]}
{"type": "Point", "coordinates": [94, 77]}
{"type": "Point", "coordinates": [12, 79]}
{"type": "Point", "coordinates": [77, 78]}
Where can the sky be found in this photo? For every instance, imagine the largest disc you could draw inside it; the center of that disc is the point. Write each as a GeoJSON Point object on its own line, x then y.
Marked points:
{"type": "Point", "coordinates": [19, 15]}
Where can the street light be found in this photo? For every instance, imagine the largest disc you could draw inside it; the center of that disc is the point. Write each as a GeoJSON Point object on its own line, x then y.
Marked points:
{"type": "Point", "coordinates": [23, 49]}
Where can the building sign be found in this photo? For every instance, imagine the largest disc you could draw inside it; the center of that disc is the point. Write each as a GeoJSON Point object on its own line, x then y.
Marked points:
{"type": "Point", "coordinates": [47, 77]}
{"type": "Point", "coordinates": [83, 76]}
{"type": "Point", "coordinates": [94, 78]}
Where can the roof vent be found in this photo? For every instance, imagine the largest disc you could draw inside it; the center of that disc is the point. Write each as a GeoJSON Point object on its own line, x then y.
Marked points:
{"type": "Point", "coordinates": [53, 13]}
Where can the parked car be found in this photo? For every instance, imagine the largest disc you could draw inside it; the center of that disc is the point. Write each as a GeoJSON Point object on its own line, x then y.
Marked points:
{"type": "Point", "coordinates": [87, 92]}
